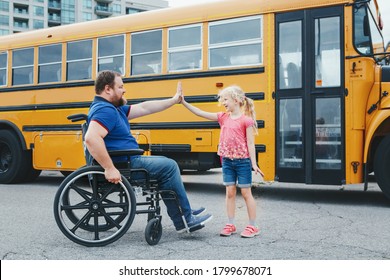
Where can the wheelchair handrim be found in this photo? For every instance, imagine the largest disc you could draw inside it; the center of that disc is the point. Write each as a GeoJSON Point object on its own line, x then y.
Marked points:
{"type": "Point", "coordinates": [124, 221]}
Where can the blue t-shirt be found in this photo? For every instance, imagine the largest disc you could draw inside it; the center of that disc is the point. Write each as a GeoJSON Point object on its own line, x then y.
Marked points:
{"type": "Point", "coordinates": [114, 120]}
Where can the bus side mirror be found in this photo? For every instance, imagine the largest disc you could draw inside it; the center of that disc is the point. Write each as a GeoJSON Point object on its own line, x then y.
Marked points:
{"type": "Point", "coordinates": [366, 26]}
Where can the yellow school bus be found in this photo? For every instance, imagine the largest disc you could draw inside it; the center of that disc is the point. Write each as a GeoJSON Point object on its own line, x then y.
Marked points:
{"type": "Point", "coordinates": [315, 69]}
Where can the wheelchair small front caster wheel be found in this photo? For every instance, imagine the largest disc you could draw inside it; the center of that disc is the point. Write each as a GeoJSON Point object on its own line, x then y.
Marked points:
{"type": "Point", "coordinates": [153, 231]}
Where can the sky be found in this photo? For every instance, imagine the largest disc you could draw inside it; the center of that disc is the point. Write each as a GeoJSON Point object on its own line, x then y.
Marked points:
{"type": "Point", "coordinates": [176, 3]}
{"type": "Point", "coordinates": [384, 7]}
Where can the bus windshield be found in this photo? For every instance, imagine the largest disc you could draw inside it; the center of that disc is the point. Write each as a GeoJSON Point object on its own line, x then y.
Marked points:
{"type": "Point", "coordinates": [367, 35]}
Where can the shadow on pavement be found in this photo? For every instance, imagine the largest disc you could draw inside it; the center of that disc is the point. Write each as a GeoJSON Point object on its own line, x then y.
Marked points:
{"type": "Point", "coordinates": [327, 195]}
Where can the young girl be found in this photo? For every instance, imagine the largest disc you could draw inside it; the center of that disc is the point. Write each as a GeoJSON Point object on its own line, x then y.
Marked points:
{"type": "Point", "coordinates": [237, 150]}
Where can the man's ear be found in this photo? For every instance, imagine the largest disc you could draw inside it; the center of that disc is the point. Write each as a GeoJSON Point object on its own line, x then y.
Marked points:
{"type": "Point", "coordinates": [107, 89]}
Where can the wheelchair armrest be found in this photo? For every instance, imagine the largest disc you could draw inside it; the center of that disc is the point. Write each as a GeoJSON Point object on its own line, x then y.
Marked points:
{"type": "Point", "coordinates": [131, 152]}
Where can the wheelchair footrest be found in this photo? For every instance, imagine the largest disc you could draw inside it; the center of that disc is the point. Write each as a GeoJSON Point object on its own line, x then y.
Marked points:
{"type": "Point", "coordinates": [194, 228]}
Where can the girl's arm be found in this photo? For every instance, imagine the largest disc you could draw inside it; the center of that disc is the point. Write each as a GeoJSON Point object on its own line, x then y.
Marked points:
{"type": "Point", "coordinates": [195, 110]}
{"type": "Point", "coordinates": [199, 112]}
{"type": "Point", "coordinates": [252, 151]}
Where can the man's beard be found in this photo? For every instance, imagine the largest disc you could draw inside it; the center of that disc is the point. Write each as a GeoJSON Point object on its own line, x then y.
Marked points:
{"type": "Point", "coordinates": [121, 102]}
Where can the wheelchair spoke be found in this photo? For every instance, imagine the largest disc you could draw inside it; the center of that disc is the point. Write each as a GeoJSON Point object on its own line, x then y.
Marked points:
{"type": "Point", "coordinates": [78, 206]}
{"type": "Point", "coordinates": [113, 204]}
{"type": "Point", "coordinates": [110, 190]}
{"type": "Point", "coordinates": [95, 187]}
{"type": "Point", "coordinates": [83, 193]}
{"type": "Point", "coordinates": [110, 220]}
{"type": "Point", "coordinates": [104, 198]}
{"type": "Point", "coordinates": [81, 221]}
{"type": "Point", "coordinates": [96, 226]}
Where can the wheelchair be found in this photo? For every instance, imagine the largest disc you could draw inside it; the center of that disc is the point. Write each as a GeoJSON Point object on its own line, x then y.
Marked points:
{"type": "Point", "coordinates": [93, 212]}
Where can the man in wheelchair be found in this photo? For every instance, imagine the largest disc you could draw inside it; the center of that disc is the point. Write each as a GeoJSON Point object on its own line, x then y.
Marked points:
{"type": "Point", "coordinates": [109, 130]}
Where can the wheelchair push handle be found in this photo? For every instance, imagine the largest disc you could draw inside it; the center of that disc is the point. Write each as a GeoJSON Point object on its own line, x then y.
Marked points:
{"type": "Point", "coordinates": [77, 117]}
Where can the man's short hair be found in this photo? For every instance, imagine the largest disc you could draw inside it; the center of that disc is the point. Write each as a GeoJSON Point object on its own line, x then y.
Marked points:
{"type": "Point", "coordinates": [106, 77]}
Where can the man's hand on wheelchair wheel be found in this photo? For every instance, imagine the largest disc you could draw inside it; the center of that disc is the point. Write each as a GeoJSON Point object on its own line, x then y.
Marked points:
{"type": "Point", "coordinates": [113, 175]}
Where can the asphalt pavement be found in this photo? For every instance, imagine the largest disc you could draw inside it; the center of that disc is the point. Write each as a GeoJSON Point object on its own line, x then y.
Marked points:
{"type": "Point", "coordinates": [297, 222]}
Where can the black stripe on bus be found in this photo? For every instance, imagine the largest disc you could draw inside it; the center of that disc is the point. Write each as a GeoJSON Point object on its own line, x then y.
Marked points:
{"type": "Point", "coordinates": [135, 126]}
{"type": "Point", "coordinates": [182, 125]}
{"type": "Point", "coordinates": [48, 86]}
{"type": "Point", "coordinates": [185, 148]}
{"type": "Point", "coordinates": [203, 74]}
{"type": "Point", "coordinates": [201, 98]}
{"type": "Point", "coordinates": [38, 107]}
{"type": "Point", "coordinates": [64, 127]}
{"type": "Point", "coordinates": [172, 148]}
{"type": "Point", "coordinates": [260, 148]}
{"type": "Point", "coordinates": [85, 105]}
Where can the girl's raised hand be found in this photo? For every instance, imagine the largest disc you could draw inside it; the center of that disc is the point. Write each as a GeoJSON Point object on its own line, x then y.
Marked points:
{"type": "Point", "coordinates": [179, 92]}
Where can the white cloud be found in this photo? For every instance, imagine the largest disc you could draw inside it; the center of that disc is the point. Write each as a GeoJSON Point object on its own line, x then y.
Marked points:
{"type": "Point", "coordinates": [384, 8]}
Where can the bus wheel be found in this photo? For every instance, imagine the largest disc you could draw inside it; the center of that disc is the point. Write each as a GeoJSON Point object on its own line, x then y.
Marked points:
{"type": "Point", "coordinates": [12, 159]}
{"type": "Point", "coordinates": [30, 173]}
{"type": "Point", "coordinates": [382, 165]}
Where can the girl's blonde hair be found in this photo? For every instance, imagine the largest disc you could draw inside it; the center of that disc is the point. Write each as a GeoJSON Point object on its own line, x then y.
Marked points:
{"type": "Point", "coordinates": [246, 103]}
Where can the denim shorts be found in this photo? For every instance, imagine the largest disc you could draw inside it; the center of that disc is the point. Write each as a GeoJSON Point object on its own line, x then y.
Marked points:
{"type": "Point", "coordinates": [237, 171]}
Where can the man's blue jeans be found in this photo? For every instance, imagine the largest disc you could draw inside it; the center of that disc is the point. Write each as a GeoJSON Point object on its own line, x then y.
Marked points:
{"type": "Point", "coordinates": [167, 173]}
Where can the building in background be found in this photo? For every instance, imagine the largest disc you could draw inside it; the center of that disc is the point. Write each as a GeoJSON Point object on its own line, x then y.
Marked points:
{"type": "Point", "coordinates": [22, 15]}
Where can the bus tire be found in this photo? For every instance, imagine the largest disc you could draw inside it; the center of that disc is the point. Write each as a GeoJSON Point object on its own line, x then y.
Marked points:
{"type": "Point", "coordinates": [13, 160]}
{"type": "Point", "coordinates": [30, 173]}
{"type": "Point", "coordinates": [382, 165]}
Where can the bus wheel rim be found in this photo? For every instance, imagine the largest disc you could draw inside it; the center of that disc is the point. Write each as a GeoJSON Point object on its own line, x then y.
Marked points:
{"type": "Point", "coordinates": [5, 158]}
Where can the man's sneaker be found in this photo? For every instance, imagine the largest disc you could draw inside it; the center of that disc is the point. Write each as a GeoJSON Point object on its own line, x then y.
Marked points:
{"type": "Point", "coordinates": [250, 231]}
{"type": "Point", "coordinates": [197, 212]}
{"type": "Point", "coordinates": [195, 223]}
{"type": "Point", "coordinates": [228, 230]}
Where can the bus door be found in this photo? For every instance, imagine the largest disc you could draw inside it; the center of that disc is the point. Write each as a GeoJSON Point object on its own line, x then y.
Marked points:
{"type": "Point", "coordinates": [309, 96]}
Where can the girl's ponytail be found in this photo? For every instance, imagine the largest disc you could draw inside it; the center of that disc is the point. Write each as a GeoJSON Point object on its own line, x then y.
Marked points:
{"type": "Point", "coordinates": [249, 110]}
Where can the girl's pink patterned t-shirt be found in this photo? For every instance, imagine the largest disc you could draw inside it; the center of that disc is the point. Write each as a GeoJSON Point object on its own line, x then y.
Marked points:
{"type": "Point", "coordinates": [233, 141]}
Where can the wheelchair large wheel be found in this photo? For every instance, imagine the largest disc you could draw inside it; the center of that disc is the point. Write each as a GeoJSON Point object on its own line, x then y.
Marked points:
{"type": "Point", "coordinates": [91, 211]}
{"type": "Point", "coordinates": [73, 216]}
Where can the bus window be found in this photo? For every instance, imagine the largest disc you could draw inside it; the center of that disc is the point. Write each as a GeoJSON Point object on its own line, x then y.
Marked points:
{"type": "Point", "coordinates": [146, 52]}
{"type": "Point", "coordinates": [290, 129]}
{"type": "Point", "coordinates": [328, 133]}
{"type": "Point", "coordinates": [235, 42]}
{"type": "Point", "coordinates": [22, 66]}
{"type": "Point", "coordinates": [366, 32]}
{"type": "Point", "coordinates": [3, 69]}
{"type": "Point", "coordinates": [49, 63]}
{"type": "Point", "coordinates": [327, 52]}
{"type": "Point", "coordinates": [79, 60]}
{"type": "Point", "coordinates": [290, 55]}
{"type": "Point", "coordinates": [376, 37]}
{"type": "Point", "coordinates": [185, 48]}
{"type": "Point", "coordinates": [111, 53]}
